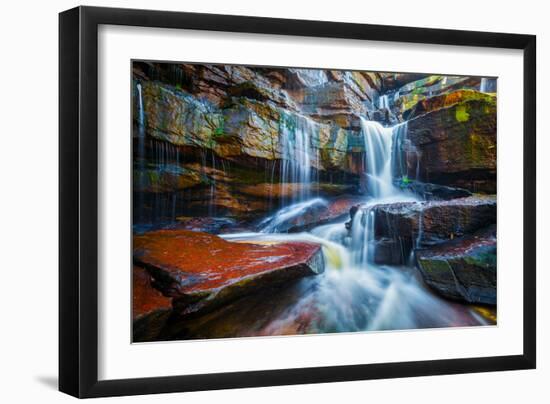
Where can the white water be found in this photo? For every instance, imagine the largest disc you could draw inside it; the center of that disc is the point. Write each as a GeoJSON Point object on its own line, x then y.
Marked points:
{"type": "Point", "coordinates": [378, 159]}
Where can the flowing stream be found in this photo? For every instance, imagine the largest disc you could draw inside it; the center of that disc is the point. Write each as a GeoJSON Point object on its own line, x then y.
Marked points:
{"type": "Point", "coordinates": [354, 294]}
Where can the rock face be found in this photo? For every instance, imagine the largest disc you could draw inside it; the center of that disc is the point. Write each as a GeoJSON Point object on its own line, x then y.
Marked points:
{"type": "Point", "coordinates": [150, 309]}
{"type": "Point", "coordinates": [455, 145]}
{"type": "Point", "coordinates": [463, 269]}
{"type": "Point", "coordinates": [201, 271]}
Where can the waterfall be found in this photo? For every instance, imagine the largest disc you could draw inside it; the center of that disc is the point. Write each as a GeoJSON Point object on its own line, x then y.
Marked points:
{"type": "Point", "coordinates": [383, 102]}
{"type": "Point", "coordinates": [141, 113]}
{"type": "Point", "coordinates": [378, 155]}
{"type": "Point", "coordinates": [297, 155]}
{"type": "Point", "coordinates": [362, 237]}
{"type": "Point", "coordinates": [483, 86]}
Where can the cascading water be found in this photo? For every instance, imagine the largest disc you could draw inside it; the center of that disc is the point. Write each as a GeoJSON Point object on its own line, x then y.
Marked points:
{"type": "Point", "coordinates": [362, 237]}
{"type": "Point", "coordinates": [383, 102]}
{"type": "Point", "coordinates": [378, 159]}
{"type": "Point", "coordinates": [297, 155]}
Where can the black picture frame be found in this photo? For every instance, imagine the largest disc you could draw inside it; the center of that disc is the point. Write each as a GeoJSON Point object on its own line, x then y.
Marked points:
{"type": "Point", "coordinates": [78, 201]}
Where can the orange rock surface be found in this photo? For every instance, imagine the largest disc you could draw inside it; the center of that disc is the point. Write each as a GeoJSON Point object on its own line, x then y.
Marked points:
{"type": "Point", "coordinates": [193, 266]}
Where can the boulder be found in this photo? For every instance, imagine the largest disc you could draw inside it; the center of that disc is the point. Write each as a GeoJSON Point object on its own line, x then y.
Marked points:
{"type": "Point", "coordinates": [433, 222]}
{"type": "Point", "coordinates": [201, 271]}
{"type": "Point", "coordinates": [463, 269]}
{"type": "Point", "coordinates": [456, 145]}
{"type": "Point", "coordinates": [150, 308]}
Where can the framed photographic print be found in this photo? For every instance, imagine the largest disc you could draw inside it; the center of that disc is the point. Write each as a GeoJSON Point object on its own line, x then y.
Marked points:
{"type": "Point", "coordinates": [251, 201]}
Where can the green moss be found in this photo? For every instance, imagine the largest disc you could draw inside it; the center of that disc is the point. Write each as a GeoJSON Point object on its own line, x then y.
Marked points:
{"type": "Point", "coordinates": [219, 131]}
{"type": "Point", "coordinates": [461, 113]}
{"type": "Point", "coordinates": [434, 267]}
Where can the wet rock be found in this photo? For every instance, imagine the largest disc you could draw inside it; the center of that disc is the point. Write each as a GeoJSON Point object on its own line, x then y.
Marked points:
{"type": "Point", "coordinates": [150, 309]}
{"type": "Point", "coordinates": [431, 192]}
{"type": "Point", "coordinates": [164, 178]}
{"type": "Point", "coordinates": [201, 271]}
{"type": "Point", "coordinates": [463, 269]}
{"type": "Point", "coordinates": [433, 222]}
{"type": "Point", "coordinates": [456, 145]}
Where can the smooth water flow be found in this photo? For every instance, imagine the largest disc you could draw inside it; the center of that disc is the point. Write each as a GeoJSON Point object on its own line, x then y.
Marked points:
{"type": "Point", "coordinates": [378, 158]}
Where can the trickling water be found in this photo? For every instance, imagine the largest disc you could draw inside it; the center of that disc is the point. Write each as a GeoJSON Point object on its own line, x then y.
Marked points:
{"type": "Point", "coordinates": [297, 155]}
{"type": "Point", "coordinates": [141, 113]}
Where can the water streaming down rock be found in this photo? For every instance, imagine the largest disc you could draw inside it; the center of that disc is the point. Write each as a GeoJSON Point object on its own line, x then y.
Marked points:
{"type": "Point", "coordinates": [378, 158]}
{"type": "Point", "coordinates": [403, 151]}
{"type": "Point", "coordinates": [296, 136]}
{"type": "Point", "coordinates": [384, 102]}
{"type": "Point", "coordinates": [362, 237]}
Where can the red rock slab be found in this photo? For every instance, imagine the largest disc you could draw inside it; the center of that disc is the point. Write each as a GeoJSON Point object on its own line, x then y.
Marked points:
{"type": "Point", "coordinates": [201, 269]}
{"type": "Point", "coordinates": [145, 298]}
{"type": "Point", "coordinates": [150, 309]}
